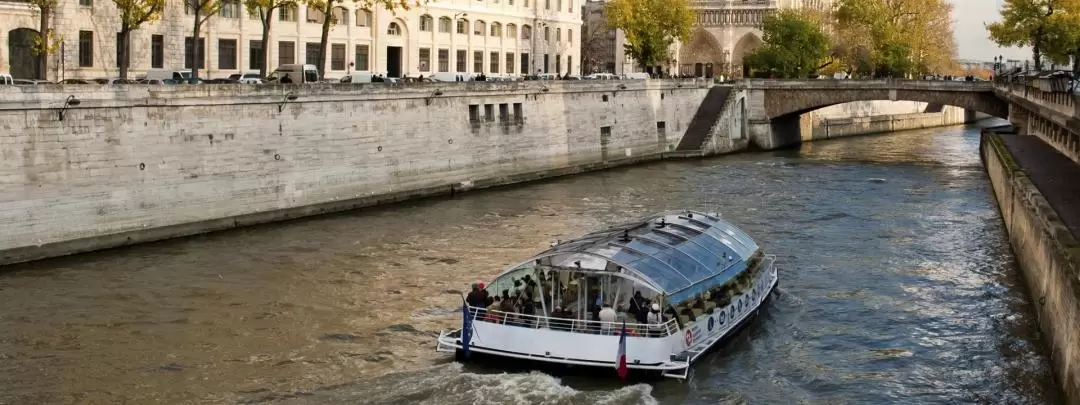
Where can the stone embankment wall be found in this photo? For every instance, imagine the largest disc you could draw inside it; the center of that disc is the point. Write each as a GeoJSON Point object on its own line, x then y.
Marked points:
{"type": "Point", "coordinates": [136, 163]}
{"type": "Point", "coordinates": [1048, 254]}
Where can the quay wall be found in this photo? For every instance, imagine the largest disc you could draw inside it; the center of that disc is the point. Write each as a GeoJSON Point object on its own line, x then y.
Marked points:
{"type": "Point", "coordinates": [874, 117]}
{"type": "Point", "coordinates": [132, 164]}
{"type": "Point", "coordinates": [1049, 257]}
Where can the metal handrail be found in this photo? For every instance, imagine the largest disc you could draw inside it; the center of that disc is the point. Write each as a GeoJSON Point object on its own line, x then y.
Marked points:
{"type": "Point", "coordinates": [573, 325]}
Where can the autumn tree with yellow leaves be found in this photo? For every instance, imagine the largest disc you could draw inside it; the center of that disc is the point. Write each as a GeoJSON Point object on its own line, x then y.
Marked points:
{"type": "Point", "coordinates": [202, 11]}
{"type": "Point", "coordinates": [898, 37]}
{"type": "Point", "coordinates": [1050, 27]}
{"type": "Point", "coordinates": [133, 14]}
{"type": "Point", "coordinates": [651, 27]}
{"type": "Point", "coordinates": [327, 7]}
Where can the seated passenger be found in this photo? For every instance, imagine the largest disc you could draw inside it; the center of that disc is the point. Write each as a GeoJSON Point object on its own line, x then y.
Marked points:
{"type": "Point", "coordinates": [656, 321]}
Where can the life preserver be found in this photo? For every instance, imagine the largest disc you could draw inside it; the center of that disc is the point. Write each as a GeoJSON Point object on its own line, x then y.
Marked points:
{"type": "Point", "coordinates": [689, 336]}
{"type": "Point", "coordinates": [722, 318]}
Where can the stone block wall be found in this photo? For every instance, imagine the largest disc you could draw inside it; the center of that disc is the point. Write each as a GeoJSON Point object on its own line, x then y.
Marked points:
{"type": "Point", "coordinates": [138, 163]}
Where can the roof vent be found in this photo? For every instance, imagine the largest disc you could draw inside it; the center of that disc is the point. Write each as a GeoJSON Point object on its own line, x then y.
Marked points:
{"type": "Point", "coordinates": [662, 223]}
{"type": "Point", "coordinates": [689, 214]}
{"type": "Point", "coordinates": [625, 236]}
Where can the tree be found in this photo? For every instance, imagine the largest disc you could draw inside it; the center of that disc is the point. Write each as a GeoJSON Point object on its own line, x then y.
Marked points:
{"type": "Point", "coordinates": [904, 36]}
{"type": "Point", "coordinates": [203, 10]}
{"type": "Point", "coordinates": [1050, 27]}
{"type": "Point", "coordinates": [651, 26]}
{"type": "Point", "coordinates": [265, 10]}
{"type": "Point", "coordinates": [327, 8]}
{"type": "Point", "coordinates": [795, 45]}
{"type": "Point", "coordinates": [133, 14]}
{"type": "Point", "coordinates": [597, 40]}
{"type": "Point", "coordinates": [46, 42]}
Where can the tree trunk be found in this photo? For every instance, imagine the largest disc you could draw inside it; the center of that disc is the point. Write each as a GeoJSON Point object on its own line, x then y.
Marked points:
{"type": "Point", "coordinates": [268, 18]}
{"type": "Point", "coordinates": [323, 39]}
{"type": "Point", "coordinates": [125, 51]}
{"type": "Point", "coordinates": [195, 41]}
{"type": "Point", "coordinates": [46, 40]}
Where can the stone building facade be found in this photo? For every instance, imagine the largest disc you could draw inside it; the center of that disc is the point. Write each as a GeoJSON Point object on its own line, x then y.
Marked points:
{"type": "Point", "coordinates": [494, 37]}
{"type": "Point", "coordinates": [725, 32]}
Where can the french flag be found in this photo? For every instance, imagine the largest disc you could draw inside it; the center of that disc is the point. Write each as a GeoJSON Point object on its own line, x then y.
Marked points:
{"type": "Point", "coordinates": [620, 358]}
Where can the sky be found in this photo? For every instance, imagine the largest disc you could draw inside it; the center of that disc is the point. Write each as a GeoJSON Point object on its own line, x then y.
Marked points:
{"type": "Point", "coordinates": [969, 17]}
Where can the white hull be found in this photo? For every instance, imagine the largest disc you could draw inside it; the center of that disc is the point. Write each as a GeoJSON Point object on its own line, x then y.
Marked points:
{"type": "Point", "coordinates": [673, 355]}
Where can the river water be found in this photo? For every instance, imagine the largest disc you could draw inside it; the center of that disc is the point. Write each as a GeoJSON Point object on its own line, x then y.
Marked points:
{"type": "Point", "coordinates": [898, 286]}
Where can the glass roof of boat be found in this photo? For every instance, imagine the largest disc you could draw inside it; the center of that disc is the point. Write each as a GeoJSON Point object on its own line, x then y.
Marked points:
{"type": "Point", "coordinates": [673, 251]}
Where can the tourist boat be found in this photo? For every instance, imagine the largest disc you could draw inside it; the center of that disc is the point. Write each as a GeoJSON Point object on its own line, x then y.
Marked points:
{"type": "Point", "coordinates": [706, 276]}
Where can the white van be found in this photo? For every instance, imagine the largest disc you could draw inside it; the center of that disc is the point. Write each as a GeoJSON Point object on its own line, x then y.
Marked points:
{"type": "Point", "coordinates": [164, 74]}
{"type": "Point", "coordinates": [357, 77]}
{"type": "Point", "coordinates": [637, 76]}
{"type": "Point", "coordinates": [6, 79]}
{"type": "Point", "coordinates": [295, 74]}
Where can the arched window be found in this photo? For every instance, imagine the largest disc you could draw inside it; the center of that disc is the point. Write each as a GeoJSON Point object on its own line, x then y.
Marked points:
{"type": "Point", "coordinates": [445, 24]}
{"type": "Point", "coordinates": [462, 26]}
{"type": "Point", "coordinates": [496, 29]}
{"type": "Point", "coordinates": [526, 32]}
{"type": "Point", "coordinates": [363, 18]}
{"type": "Point", "coordinates": [393, 29]}
{"type": "Point", "coordinates": [511, 30]}
{"type": "Point", "coordinates": [426, 23]}
{"type": "Point", "coordinates": [315, 15]}
{"type": "Point", "coordinates": [479, 28]}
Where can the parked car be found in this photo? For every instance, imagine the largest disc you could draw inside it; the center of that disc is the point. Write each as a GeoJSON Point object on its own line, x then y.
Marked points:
{"type": "Point", "coordinates": [246, 78]}
{"type": "Point", "coordinates": [74, 81]}
{"type": "Point", "coordinates": [112, 81]}
{"type": "Point", "coordinates": [28, 82]}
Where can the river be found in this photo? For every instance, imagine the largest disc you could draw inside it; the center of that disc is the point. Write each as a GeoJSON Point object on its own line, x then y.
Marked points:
{"type": "Point", "coordinates": [897, 286]}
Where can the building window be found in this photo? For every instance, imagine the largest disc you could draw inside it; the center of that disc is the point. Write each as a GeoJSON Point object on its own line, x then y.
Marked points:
{"type": "Point", "coordinates": [525, 69]}
{"type": "Point", "coordinates": [337, 56]}
{"type": "Point", "coordinates": [558, 64]}
{"type": "Point", "coordinates": [462, 25]}
{"type": "Point", "coordinates": [288, 13]}
{"type": "Point", "coordinates": [569, 35]}
{"type": "Point", "coordinates": [444, 60]}
{"type": "Point", "coordinates": [425, 23]}
{"type": "Point", "coordinates": [230, 9]}
{"type": "Point", "coordinates": [511, 31]}
{"type": "Point", "coordinates": [547, 4]}
{"type": "Point", "coordinates": [87, 3]}
{"type": "Point", "coordinates": [479, 28]}
{"type": "Point", "coordinates": [546, 63]}
{"type": "Point", "coordinates": [286, 53]}
{"type": "Point", "coordinates": [461, 60]}
{"type": "Point", "coordinates": [311, 53]}
{"type": "Point", "coordinates": [425, 59]}
{"type": "Point", "coordinates": [547, 33]}
{"type": "Point", "coordinates": [570, 6]}
{"type": "Point", "coordinates": [363, 18]}
{"type": "Point", "coordinates": [194, 55]}
{"type": "Point", "coordinates": [256, 55]}
{"type": "Point", "coordinates": [157, 51]}
{"type": "Point", "coordinates": [568, 67]}
{"type": "Point", "coordinates": [558, 34]}
{"type": "Point", "coordinates": [254, 14]}
{"type": "Point", "coordinates": [493, 60]}
{"type": "Point", "coordinates": [362, 58]}
{"type": "Point", "coordinates": [526, 32]}
{"type": "Point", "coordinates": [496, 29]}
{"type": "Point", "coordinates": [314, 15]}
{"type": "Point", "coordinates": [393, 29]}
{"type": "Point", "coordinates": [509, 62]}
{"type": "Point", "coordinates": [558, 5]}
{"type": "Point", "coordinates": [444, 25]}
{"type": "Point", "coordinates": [226, 54]}
{"type": "Point", "coordinates": [341, 16]}
{"type": "Point", "coordinates": [478, 61]}
{"type": "Point", "coordinates": [86, 48]}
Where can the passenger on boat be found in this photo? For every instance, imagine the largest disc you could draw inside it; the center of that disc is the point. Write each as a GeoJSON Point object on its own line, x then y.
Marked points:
{"type": "Point", "coordinates": [607, 319]}
{"type": "Point", "coordinates": [639, 307]}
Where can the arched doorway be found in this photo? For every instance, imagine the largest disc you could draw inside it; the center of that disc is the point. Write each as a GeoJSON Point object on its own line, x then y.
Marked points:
{"type": "Point", "coordinates": [700, 54]}
{"type": "Point", "coordinates": [747, 44]}
{"type": "Point", "coordinates": [24, 63]}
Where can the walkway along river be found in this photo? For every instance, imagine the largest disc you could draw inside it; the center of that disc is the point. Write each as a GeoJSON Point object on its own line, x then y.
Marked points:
{"type": "Point", "coordinates": [898, 287]}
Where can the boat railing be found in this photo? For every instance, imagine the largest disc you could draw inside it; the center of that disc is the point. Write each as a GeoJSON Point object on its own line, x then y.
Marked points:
{"type": "Point", "coordinates": [667, 328]}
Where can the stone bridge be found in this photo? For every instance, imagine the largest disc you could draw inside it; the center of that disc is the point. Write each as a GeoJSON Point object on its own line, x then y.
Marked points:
{"type": "Point", "coordinates": [772, 110]}
{"type": "Point", "coordinates": [787, 97]}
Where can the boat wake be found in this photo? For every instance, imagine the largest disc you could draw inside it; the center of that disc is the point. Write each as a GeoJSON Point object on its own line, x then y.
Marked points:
{"type": "Point", "coordinates": [451, 384]}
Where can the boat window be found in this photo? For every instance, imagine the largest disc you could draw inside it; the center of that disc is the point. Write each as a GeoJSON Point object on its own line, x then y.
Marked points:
{"type": "Point", "coordinates": [659, 272]}
{"type": "Point", "coordinates": [687, 266]}
{"type": "Point", "coordinates": [506, 281]}
{"type": "Point", "coordinates": [705, 256]}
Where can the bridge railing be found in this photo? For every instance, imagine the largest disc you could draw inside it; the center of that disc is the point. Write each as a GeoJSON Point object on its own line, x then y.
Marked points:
{"type": "Point", "coordinates": [870, 84]}
{"type": "Point", "coordinates": [1058, 92]}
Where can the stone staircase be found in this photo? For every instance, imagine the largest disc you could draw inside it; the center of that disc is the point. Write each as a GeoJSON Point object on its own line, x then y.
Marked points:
{"type": "Point", "coordinates": [704, 120]}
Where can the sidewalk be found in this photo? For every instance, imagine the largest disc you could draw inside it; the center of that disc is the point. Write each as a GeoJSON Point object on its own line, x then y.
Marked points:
{"type": "Point", "coordinates": [1052, 173]}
